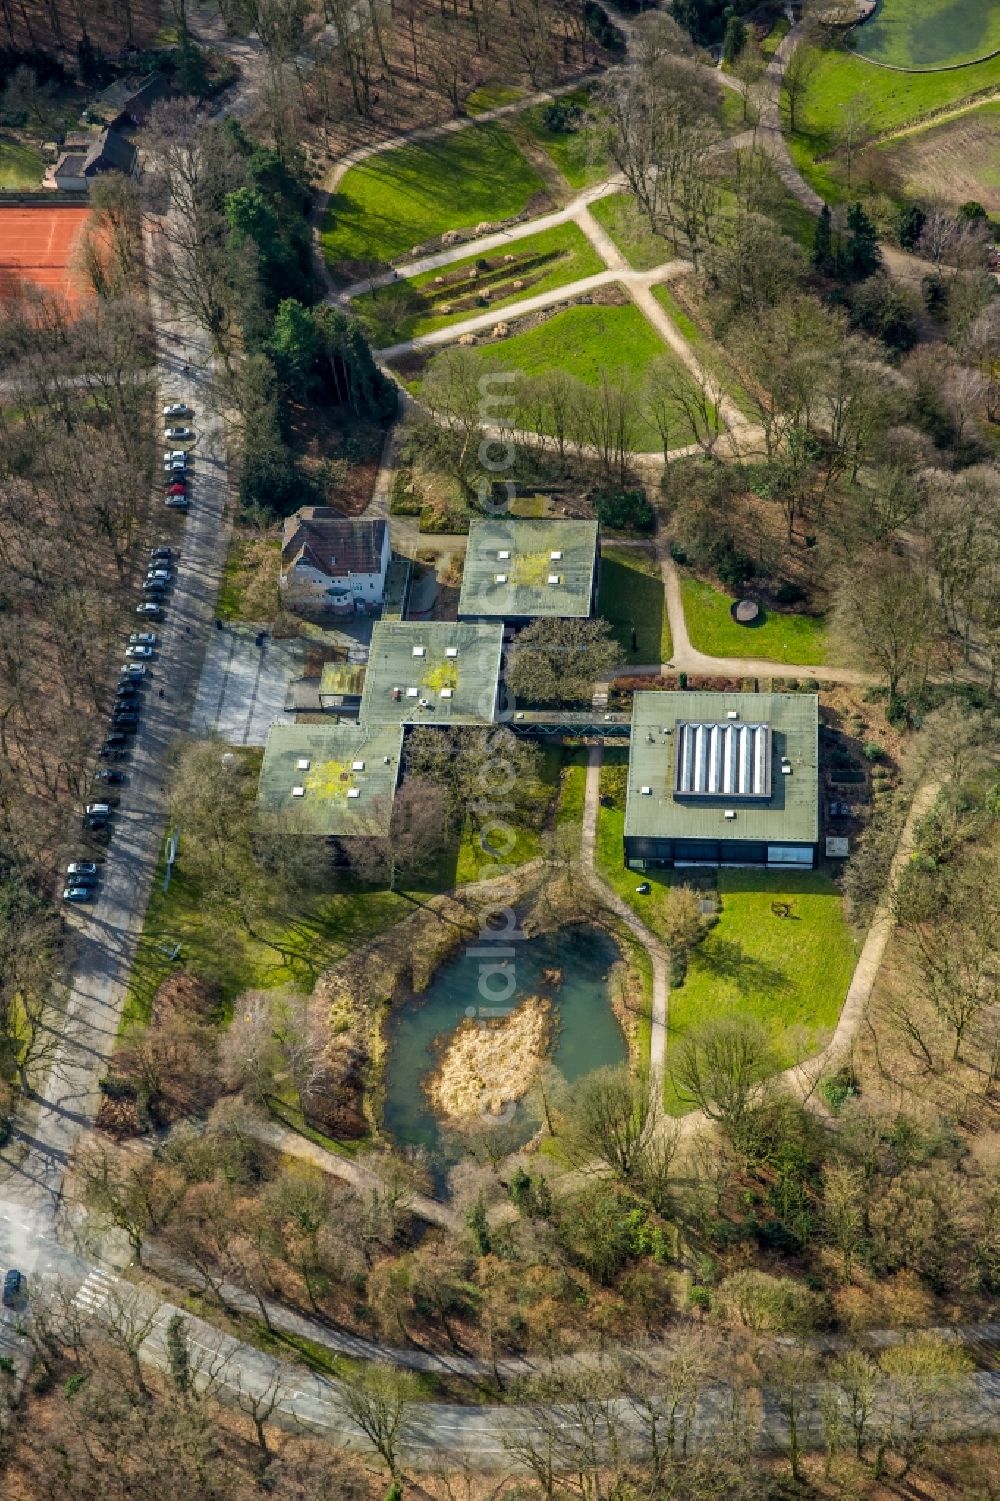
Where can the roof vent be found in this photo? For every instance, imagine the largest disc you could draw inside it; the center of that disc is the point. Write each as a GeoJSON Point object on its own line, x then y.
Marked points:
{"type": "Point", "coordinates": [446, 693]}
{"type": "Point", "coordinates": [424, 703]}
{"type": "Point", "coordinates": [298, 792]}
{"type": "Point", "coordinates": [729, 813]}
{"type": "Point", "coordinates": [555, 557]}
{"type": "Point", "coordinates": [302, 764]}
{"type": "Point", "coordinates": [396, 695]}
{"type": "Point", "coordinates": [503, 554]}
{"type": "Point", "coordinates": [646, 791]}
{"type": "Point", "coordinates": [732, 714]}
{"type": "Point", "coordinates": [420, 651]}
{"type": "Point", "coordinates": [519, 714]}
{"type": "Point", "coordinates": [386, 760]}
{"type": "Point", "coordinates": [411, 692]}
{"type": "Point", "coordinates": [553, 578]}
{"type": "Point", "coordinates": [357, 766]}
{"type": "Point", "coordinates": [451, 651]}
{"type": "Point", "coordinates": [786, 768]}
{"type": "Point", "coordinates": [354, 792]}
{"type": "Point", "coordinates": [500, 578]}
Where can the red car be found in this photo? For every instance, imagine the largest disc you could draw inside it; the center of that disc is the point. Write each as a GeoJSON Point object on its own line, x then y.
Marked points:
{"type": "Point", "coordinates": [177, 490]}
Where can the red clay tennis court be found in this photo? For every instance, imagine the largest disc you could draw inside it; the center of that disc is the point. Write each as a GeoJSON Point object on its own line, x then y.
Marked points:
{"type": "Point", "coordinates": [37, 245]}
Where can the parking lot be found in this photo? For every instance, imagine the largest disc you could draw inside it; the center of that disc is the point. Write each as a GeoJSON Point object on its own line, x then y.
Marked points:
{"type": "Point", "coordinates": [242, 688]}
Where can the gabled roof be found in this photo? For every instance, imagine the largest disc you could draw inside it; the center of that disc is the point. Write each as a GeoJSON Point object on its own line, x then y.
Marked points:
{"type": "Point", "coordinates": [518, 569]}
{"type": "Point", "coordinates": [109, 153]}
{"type": "Point", "coordinates": [335, 544]}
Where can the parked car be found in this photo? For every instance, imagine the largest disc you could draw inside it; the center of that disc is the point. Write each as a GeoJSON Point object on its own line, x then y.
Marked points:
{"type": "Point", "coordinates": [125, 720]}
{"type": "Point", "coordinates": [159, 571]}
{"type": "Point", "coordinates": [174, 466]}
{"type": "Point", "coordinates": [115, 747]}
{"type": "Point", "coordinates": [177, 486]}
{"type": "Point", "coordinates": [175, 453]}
{"type": "Point", "coordinates": [150, 609]}
{"type": "Point", "coordinates": [138, 651]}
{"type": "Point", "coordinates": [176, 502]}
{"type": "Point", "coordinates": [110, 776]}
{"type": "Point", "coordinates": [75, 894]}
{"type": "Point", "coordinates": [154, 586]}
{"type": "Point", "coordinates": [178, 434]}
{"type": "Point", "coordinates": [82, 868]}
{"type": "Point", "coordinates": [12, 1284]}
{"type": "Point", "coordinates": [134, 671]}
{"type": "Point", "coordinates": [144, 638]}
{"type": "Point", "coordinates": [162, 552]}
{"type": "Point", "coordinates": [177, 409]}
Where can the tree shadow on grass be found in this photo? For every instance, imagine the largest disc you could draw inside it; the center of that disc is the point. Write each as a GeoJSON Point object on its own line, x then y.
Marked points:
{"type": "Point", "coordinates": [726, 959]}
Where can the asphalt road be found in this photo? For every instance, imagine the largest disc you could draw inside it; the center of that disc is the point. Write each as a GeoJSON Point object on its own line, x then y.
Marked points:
{"type": "Point", "coordinates": [106, 933]}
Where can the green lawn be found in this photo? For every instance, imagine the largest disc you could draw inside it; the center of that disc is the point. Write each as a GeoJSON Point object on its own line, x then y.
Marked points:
{"type": "Point", "coordinates": [492, 96]}
{"type": "Point", "coordinates": [587, 341]}
{"type": "Point", "coordinates": [781, 638]}
{"type": "Point", "coordinates": [568, 149]}
{"type": "Point", "coordinates": [929, 33]}
{"type": "Point", "coordinates": [734, 115]}
{"type": "Point", "coordinates": [630, 231]}
{"type": "Point", "coordinates": [708, 352]}
{"type": "Point", "coordinates": [20, 166]}
{"type": "Point", "coordinates": [775, 37]}
{"type": "Point", "coordinates": [409, 196]}
{"type": "Point", "coordinates": [215, 947]}
{"type": "Point", "coordinates": [890, 99]}
{"type": "Point", "coordinates": [631, 594]}
{"type": "Point", "coordinates": [406, 309]}
{"type": "Point", "coordinates": [790, 973]}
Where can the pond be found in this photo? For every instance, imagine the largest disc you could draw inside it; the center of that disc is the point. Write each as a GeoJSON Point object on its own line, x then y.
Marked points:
{"type": "Point", "coordinates": [589, 1035]}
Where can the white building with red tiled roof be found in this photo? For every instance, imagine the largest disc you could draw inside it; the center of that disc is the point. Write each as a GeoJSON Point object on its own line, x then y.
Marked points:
{"type": "Point", "coordinates": [332, 563]}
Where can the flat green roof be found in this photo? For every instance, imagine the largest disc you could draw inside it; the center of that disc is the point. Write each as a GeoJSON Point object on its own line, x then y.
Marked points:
{"type": "Point", "coordinates": [518, 585]}
{"type": "Point", "coordinates": [776, 805]}
{"type": "Point", "coordinates": [347, 774]}
{"type": "Point", "coordinates": [433, 672]}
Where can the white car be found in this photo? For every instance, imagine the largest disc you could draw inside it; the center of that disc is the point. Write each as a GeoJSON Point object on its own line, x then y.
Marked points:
{"type": "Point", "coordinates": [176, 502]}
{"type": "Point", "coordinates": [177, 409]}
{"type": "Point", "coordinates": [143, 638]}
{"type": "Point", "coordinates": [179, 434]}
{"type": "Point", "coordinates": [139, 651]}
{"type": "Point", "coordinates": [133, 671]}
{"type": "Point", "coordinates": [175, 455]}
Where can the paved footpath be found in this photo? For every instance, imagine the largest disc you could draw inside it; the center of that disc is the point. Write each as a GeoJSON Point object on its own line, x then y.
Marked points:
{"type": "Point", "coordinates": [658, 956]}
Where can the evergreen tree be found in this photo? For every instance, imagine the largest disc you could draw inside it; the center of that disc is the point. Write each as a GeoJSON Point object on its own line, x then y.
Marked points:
{"type": "Point", "coordinates": [822, 252]}
{"type": "Point", "coordinates": [862, 256]}
{"type": "Point", "coordinates": [734, 40]}
{"type": "Point", "coordinates": [910, 225]}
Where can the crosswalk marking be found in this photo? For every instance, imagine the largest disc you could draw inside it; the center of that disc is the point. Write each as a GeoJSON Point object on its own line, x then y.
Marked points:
{"type": "Point", "coordinates": [93, 1293]}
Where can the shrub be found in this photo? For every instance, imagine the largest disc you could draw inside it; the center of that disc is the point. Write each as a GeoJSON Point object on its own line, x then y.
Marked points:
{"type": "Point", "coordinates": [562, 117]}
{"type": "Point", "coordinates": [734, 568]}
{"type": "Point", "coordinates": [625, 510]}
{"type": "Point", "coordinates": [874, 751]}
{"type": "Point", "coordinates": [699, 1297]}
{"type": "Point", "coordinates": [839, 1087]}
{"type": "Point", "coordinates": [788, 594]}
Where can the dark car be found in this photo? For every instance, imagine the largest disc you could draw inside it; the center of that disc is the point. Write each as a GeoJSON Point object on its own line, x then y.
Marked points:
{"type": "Point", "coordinates": [81, 878]}
{"type": "Point", "coordinates": [155, 587]}
{"type": "Point", "coordinates": [109, 775]}
{"type": "Point", "coordinates": [115, 748]}
{"type": "Point", "coordinates": [125, 722]}
{"type": "Point", "coordinates": [150, 610]}
{"type": "Point", "coordinates": [162, 552]}
{"type": "Point", "coordinates": [13, 1281]}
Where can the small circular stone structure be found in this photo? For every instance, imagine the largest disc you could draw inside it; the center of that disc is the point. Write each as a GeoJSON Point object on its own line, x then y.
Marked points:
{"type": "Point", "coordinates": [746, 611]}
